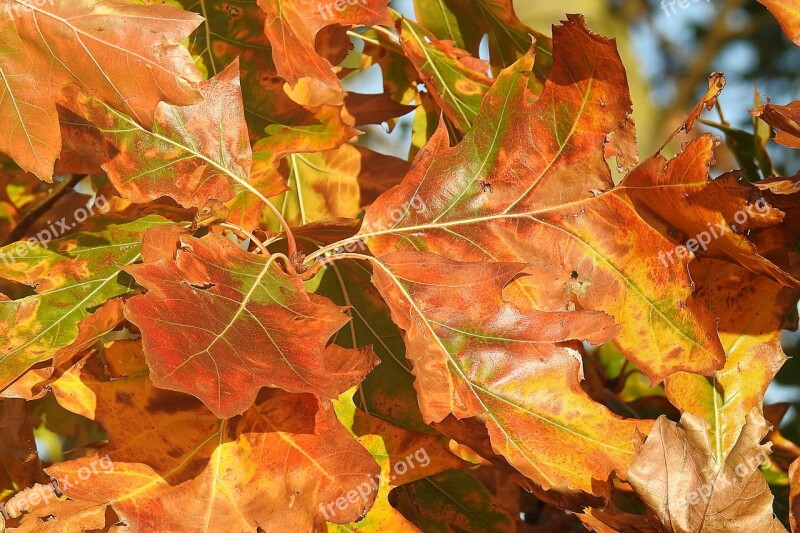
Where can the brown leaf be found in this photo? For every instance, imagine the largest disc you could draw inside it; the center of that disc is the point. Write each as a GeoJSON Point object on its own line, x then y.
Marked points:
{"type": "Point", "coordinates": [19, 462]}
{"type": "Point", "coordinates": [675, 474]}
{"type": "Point", "coordinates": [785, 119]}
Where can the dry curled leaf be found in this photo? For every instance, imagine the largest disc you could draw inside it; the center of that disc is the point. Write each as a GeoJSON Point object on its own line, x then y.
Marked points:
{"type": "Point", "coordinates": [675, 474]}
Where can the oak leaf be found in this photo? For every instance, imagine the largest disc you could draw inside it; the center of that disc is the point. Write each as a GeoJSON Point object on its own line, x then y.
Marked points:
{"type": "Point", "coordinates": [475, 355]}
{"type": "Point", "coordinates": [124, 54]}
{"type": "Point", "coordinates": [292, 27]}
{"type": "Point", "coordinates": [751, 309]}
{"type": "Point", "coordinates": [71, 275]}
{"type": "Point", "coordinates": [465, 22]}
{"type": "Point", "coordinates": [455, 82]}
{"type": "Point", "coordinates": [193, 154]}
{"type": "Point", "coordinates": [177, 467]}
{"type": "Point", "coordinates": [676, 475]}
{"type": "Point", "coordinates": [535, 197]}
{"type": "Point", "coordinates": [266, 330]}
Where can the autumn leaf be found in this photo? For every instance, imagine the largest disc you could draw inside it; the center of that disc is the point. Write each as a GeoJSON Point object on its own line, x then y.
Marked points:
{"type": "Point", "coordinates": [785, 119]}
{"type": "Point", "coordinates": [292, 26]}
{"type": "Point", "coordinates": [612, 520]}
{"type": "Point", "coordinates": [404, 455]}
{"type": "Point", "coordinates": [267, 331]}
{"type": "Point", "coordinates": [465, 22]}
{"type": "Point", "coordinates": [126, 55]}
{"type": "Point", "coordinates": [455, 82]}
{"type": "Point", "coordinates": [453, 501]}
{"type": "Point", "coordinates": [361, 271]}
{"type": "Point", "coordinates": [388, 391]}
{"type": "Point", "coordinates": [71, 276]}
{"type": "Point", "coordinates": [33, 384]}
{"type": "Point", "coordinates": [50, 515]}
{"type": "Point", "coordinates": [750, 332]}
{"type": "Point", "coordinates": [723, 208]}
{"type": "Point", "coordinates": [475, 355]}
{"type": "Point", "coordinates": [19, 461]}
{"type": "Point", "coordinates": [275, 467]}
{"type": "Point", "coordinates": [194, 153]}
{"type": "Point", "coordinates": [675, 474]}
{"type": "Point", "coordinates": [504, 205]}
{"type": "Point", "coordinates": [788, 14]}
{"type": "Point", "coordinates": [322, 185]}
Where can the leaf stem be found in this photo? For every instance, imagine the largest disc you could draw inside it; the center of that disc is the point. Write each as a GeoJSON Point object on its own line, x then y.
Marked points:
{"type": "Point", "coordinates": [314, 270]}
{"type": "Point", "coordinates": [243, 232]}
{"type": "Point", "coordinates": [335, 246]}
{"type": "Point", "coordinates": [291, 243]}
{"type": "Point", "coordinates": [290, 267]}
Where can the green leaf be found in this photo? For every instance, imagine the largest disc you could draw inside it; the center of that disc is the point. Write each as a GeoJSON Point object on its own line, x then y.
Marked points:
{"type": "Point", "coordinates": [71, 275]}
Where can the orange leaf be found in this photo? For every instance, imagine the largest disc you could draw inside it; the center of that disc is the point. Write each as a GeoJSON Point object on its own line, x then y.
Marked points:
{"type": "Point", "coordinates": [265, 331]}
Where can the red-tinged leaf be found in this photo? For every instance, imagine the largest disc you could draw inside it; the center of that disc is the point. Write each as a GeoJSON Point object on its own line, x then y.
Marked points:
{"type": "Point", "coordinates": [72, 275]}
{"type": "Point", "coordinates": [476, 355]}
{"type": "Point", "coordinates": [788, 14]}
{"type": "Point", "coordinates": [124, 54]}
{"type": "Point", "coordinates": [194, 153]}
{"type": "Point", "coordinates": [266, 331]}
{"type": "Point", "coordinates": [173, 466]}
{"type": "Point", "coordinates": [505, 196]}
{"type": "Point", "coordinates": [292, 27]}
{"type": "Point", "coordinates": [676, 475]}
{"type": "Point", "coordinates": [662, 192]}
{"type": "Point", "coordinates": [235, 29]}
